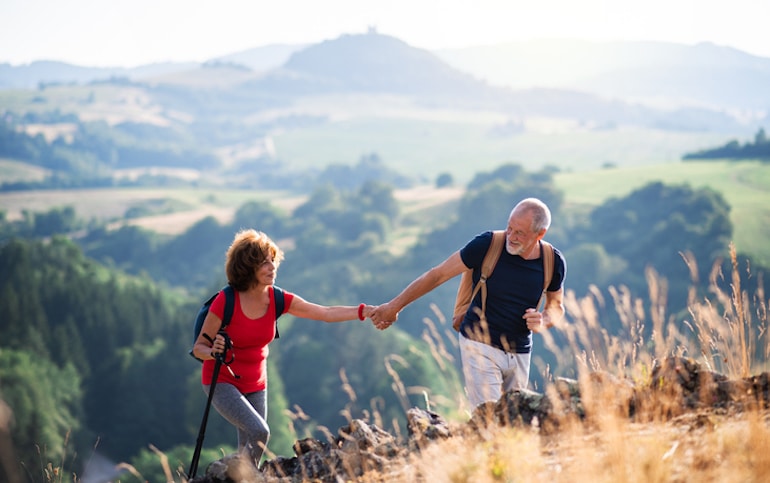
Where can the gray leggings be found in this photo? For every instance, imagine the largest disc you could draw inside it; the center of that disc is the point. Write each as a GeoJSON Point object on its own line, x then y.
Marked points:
{"type": "Point", "coordinates": [247, 412]}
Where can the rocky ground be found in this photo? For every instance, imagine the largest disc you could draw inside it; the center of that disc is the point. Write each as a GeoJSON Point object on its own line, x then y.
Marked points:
{"type": "Point", "coordinates": [684, 400]}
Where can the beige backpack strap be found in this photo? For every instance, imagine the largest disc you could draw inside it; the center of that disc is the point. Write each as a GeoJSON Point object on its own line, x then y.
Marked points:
{"type": "Point", "coordinates": [547, 254]}
{"type": "Point", "coordinates": [488, 266]}
{"type": "Point", "coordinates": [466, 291]}
{"type": "Point", "coordinates": [463, 295]}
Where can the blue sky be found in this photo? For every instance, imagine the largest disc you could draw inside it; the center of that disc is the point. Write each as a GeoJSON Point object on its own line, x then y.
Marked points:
{"type": "Point", "coordinates": [129, 33]}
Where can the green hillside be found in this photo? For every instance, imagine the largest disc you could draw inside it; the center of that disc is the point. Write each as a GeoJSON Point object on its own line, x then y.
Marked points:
{"type": "Point", "coordinates": [745, 186]}
{"type": "Point", "coordinates": [466, 142]}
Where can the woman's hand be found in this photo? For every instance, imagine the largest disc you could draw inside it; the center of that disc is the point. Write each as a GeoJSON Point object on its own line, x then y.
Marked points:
{"type": "Point", "coordinates": [219, 346]}
{"type": "Point", "coordinates": [367, 312]}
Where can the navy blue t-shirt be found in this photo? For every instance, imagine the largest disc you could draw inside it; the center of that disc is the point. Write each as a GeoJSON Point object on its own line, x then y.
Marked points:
{"type": "Point", "coordinates": [515, 285]}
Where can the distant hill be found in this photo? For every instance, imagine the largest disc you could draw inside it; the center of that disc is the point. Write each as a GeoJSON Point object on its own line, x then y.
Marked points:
{"type": "Point", "coordinates": [375, 63]}
{"type": "Point", "coordinates": [662, 74]}
{"type": "Point", "coordinates": [32, 75]}
{"type": "Point", "coordinates": [591, 81]}
{"type": "Point", "coordinates": [658, 74]}
{"type": "Point", "coordinates": [380, 63]}
{"type": "Point", "coordinates": [263, 58]}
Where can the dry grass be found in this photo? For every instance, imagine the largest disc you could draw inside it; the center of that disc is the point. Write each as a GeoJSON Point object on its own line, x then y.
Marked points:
{"type": "Point", "coordinates": [695, 447]}
{"type": "Point", "coordinates": [661, 443]}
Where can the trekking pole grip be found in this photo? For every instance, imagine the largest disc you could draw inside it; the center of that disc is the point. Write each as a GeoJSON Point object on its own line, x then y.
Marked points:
{"type": "Point", "coordinates": [228, 347]}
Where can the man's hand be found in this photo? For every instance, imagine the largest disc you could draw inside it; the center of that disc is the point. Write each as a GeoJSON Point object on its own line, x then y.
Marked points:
{"type": "Point", "coordinates": [383, 316]}
{"type": "Point", "coordinates": [534, 320]}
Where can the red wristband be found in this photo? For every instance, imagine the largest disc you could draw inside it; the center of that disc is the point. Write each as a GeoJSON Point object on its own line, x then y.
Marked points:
{"type": "Point", "coordinates": [361, 311]}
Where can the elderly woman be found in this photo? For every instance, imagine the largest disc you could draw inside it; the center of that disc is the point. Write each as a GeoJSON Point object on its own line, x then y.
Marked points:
{"type": "Point", "coordinates": [240, 394]}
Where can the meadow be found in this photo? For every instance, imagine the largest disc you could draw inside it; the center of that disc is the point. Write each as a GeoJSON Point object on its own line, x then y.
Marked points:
{"type": "Point", "coordinates": [467, 143]}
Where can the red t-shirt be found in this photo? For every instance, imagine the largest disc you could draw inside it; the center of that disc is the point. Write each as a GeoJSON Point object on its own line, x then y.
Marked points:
{"type": "Point", "coordinates": [250, 338]}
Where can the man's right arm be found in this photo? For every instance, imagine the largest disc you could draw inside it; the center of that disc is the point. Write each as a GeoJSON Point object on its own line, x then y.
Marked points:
{"type": "Point", "coordinates": [384, 315]}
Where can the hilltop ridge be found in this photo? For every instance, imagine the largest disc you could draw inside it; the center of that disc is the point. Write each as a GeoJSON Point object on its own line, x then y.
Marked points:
{"type": "Point", "coordinates": [656, 73]}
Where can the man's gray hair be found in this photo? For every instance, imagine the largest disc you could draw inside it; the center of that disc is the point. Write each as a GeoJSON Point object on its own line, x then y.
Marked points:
{"type": "Point", "coordinates": [542, 215]}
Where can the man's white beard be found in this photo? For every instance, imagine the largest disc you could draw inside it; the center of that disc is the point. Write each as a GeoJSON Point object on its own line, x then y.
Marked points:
{"type": "Point", "coordinates": [514, 249]}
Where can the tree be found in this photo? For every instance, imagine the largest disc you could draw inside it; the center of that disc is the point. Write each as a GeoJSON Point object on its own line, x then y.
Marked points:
{"type": "Point", "coordinates": [591, 265]}
{"type": "Point", "coordinates": [261, 216]}
{"type": "Point", "coordinates": [47, 405]}
{"type": "Point", "coordinates": [444, 180]}
{"type": "Point", "coordinates": [761, 137]}
{"type": "Point", "coordinates": [655, 225]}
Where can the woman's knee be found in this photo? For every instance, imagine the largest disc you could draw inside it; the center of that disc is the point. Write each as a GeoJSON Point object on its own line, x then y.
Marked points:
{"type": "Point", "coordinates": [258, 431]}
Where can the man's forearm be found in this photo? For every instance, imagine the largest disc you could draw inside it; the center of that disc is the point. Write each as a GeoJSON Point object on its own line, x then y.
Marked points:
{"type": "Point", "coordinates": [419, 287]}
{"type": "Point", "coordinates": [553, 315]}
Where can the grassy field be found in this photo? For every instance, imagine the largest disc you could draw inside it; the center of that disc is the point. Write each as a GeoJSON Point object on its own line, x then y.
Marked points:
{"type": "Point", "coordinates": [112, 204]}
{"type": "Point", "coordinates": [13, 171]}
{"type": "Point", "coordinates": [465, 147]}
{"type": "Point", "coordinates": [419, 205]}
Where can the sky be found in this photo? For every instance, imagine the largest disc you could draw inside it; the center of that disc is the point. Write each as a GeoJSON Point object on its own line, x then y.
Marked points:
{"type": "Point", "coordinates": [123, 33]}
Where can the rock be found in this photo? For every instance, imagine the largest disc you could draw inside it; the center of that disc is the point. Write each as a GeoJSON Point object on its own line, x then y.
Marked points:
{"type": "Point", "coordinates": [520, 407]}
{"type": "Point", "coordinates": [680, 383]}
{"type": "Point", "coordinates": [359, 448]}
{"type": "Point", "coordinates": [425, 426]}
{"type": "Point", "coordinates": [231, 468]}
{"type": "Point", "coordinates": [597, 390]}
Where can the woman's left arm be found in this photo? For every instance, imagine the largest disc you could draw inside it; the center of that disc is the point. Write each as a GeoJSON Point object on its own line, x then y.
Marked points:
{"type": "Point", "coordinates": [335, 313]}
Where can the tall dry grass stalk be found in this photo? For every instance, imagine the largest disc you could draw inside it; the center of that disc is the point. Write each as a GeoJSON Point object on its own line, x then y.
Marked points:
{"type": "Point", "coordinates": [726, 330]}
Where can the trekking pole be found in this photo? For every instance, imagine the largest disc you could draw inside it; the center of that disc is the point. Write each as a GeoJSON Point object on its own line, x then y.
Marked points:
{"type": "Point", "coordinates": [220, 359]}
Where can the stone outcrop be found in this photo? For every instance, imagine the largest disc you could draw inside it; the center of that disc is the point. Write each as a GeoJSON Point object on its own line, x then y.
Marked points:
{"type": "Point", "coordinates": [677, 385]}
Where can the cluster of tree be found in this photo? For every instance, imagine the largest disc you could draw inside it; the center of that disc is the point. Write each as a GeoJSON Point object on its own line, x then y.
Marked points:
{"type": "Point", "coordinates": [58, 220]}
{"type": "Point", "coordinates": [370, 166]}
{"type": "Point", "coordinates": [120, 342]}
{"type": "Point", "coordinates": [759, 149]}
{"type": "Point", "coordinates": [78, 340]}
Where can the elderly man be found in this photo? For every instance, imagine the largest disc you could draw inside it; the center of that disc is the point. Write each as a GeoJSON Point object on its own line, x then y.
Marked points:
{"type": "Point", "coordinates": [496, 346]}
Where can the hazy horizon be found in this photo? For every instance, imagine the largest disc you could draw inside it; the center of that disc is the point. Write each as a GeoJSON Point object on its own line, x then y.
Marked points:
{"type": "Point", "coordinates": [129, 34]}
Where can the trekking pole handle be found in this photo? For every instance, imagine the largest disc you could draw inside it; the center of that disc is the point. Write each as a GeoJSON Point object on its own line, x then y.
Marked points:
{"type": "Point", "coordinates": [228, 347]}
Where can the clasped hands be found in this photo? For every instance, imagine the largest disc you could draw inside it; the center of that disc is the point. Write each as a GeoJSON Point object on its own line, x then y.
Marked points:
{"type": "Point", "coordinates": [382, 316]}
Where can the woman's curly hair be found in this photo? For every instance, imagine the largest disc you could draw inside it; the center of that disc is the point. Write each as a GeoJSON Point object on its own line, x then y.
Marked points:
{"type": "Point", "coordinates": [249, 250]}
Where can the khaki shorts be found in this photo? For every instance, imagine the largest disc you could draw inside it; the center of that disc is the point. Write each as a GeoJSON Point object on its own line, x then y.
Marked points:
{"type": "Point", "coordinates": [489, 371]}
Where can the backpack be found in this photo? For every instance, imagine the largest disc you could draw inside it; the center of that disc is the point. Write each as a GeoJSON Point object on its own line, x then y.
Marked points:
{"type": "Point", "coordinates": [464, 293]}
{"type": "Point", "coordinates": [229, 307]}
